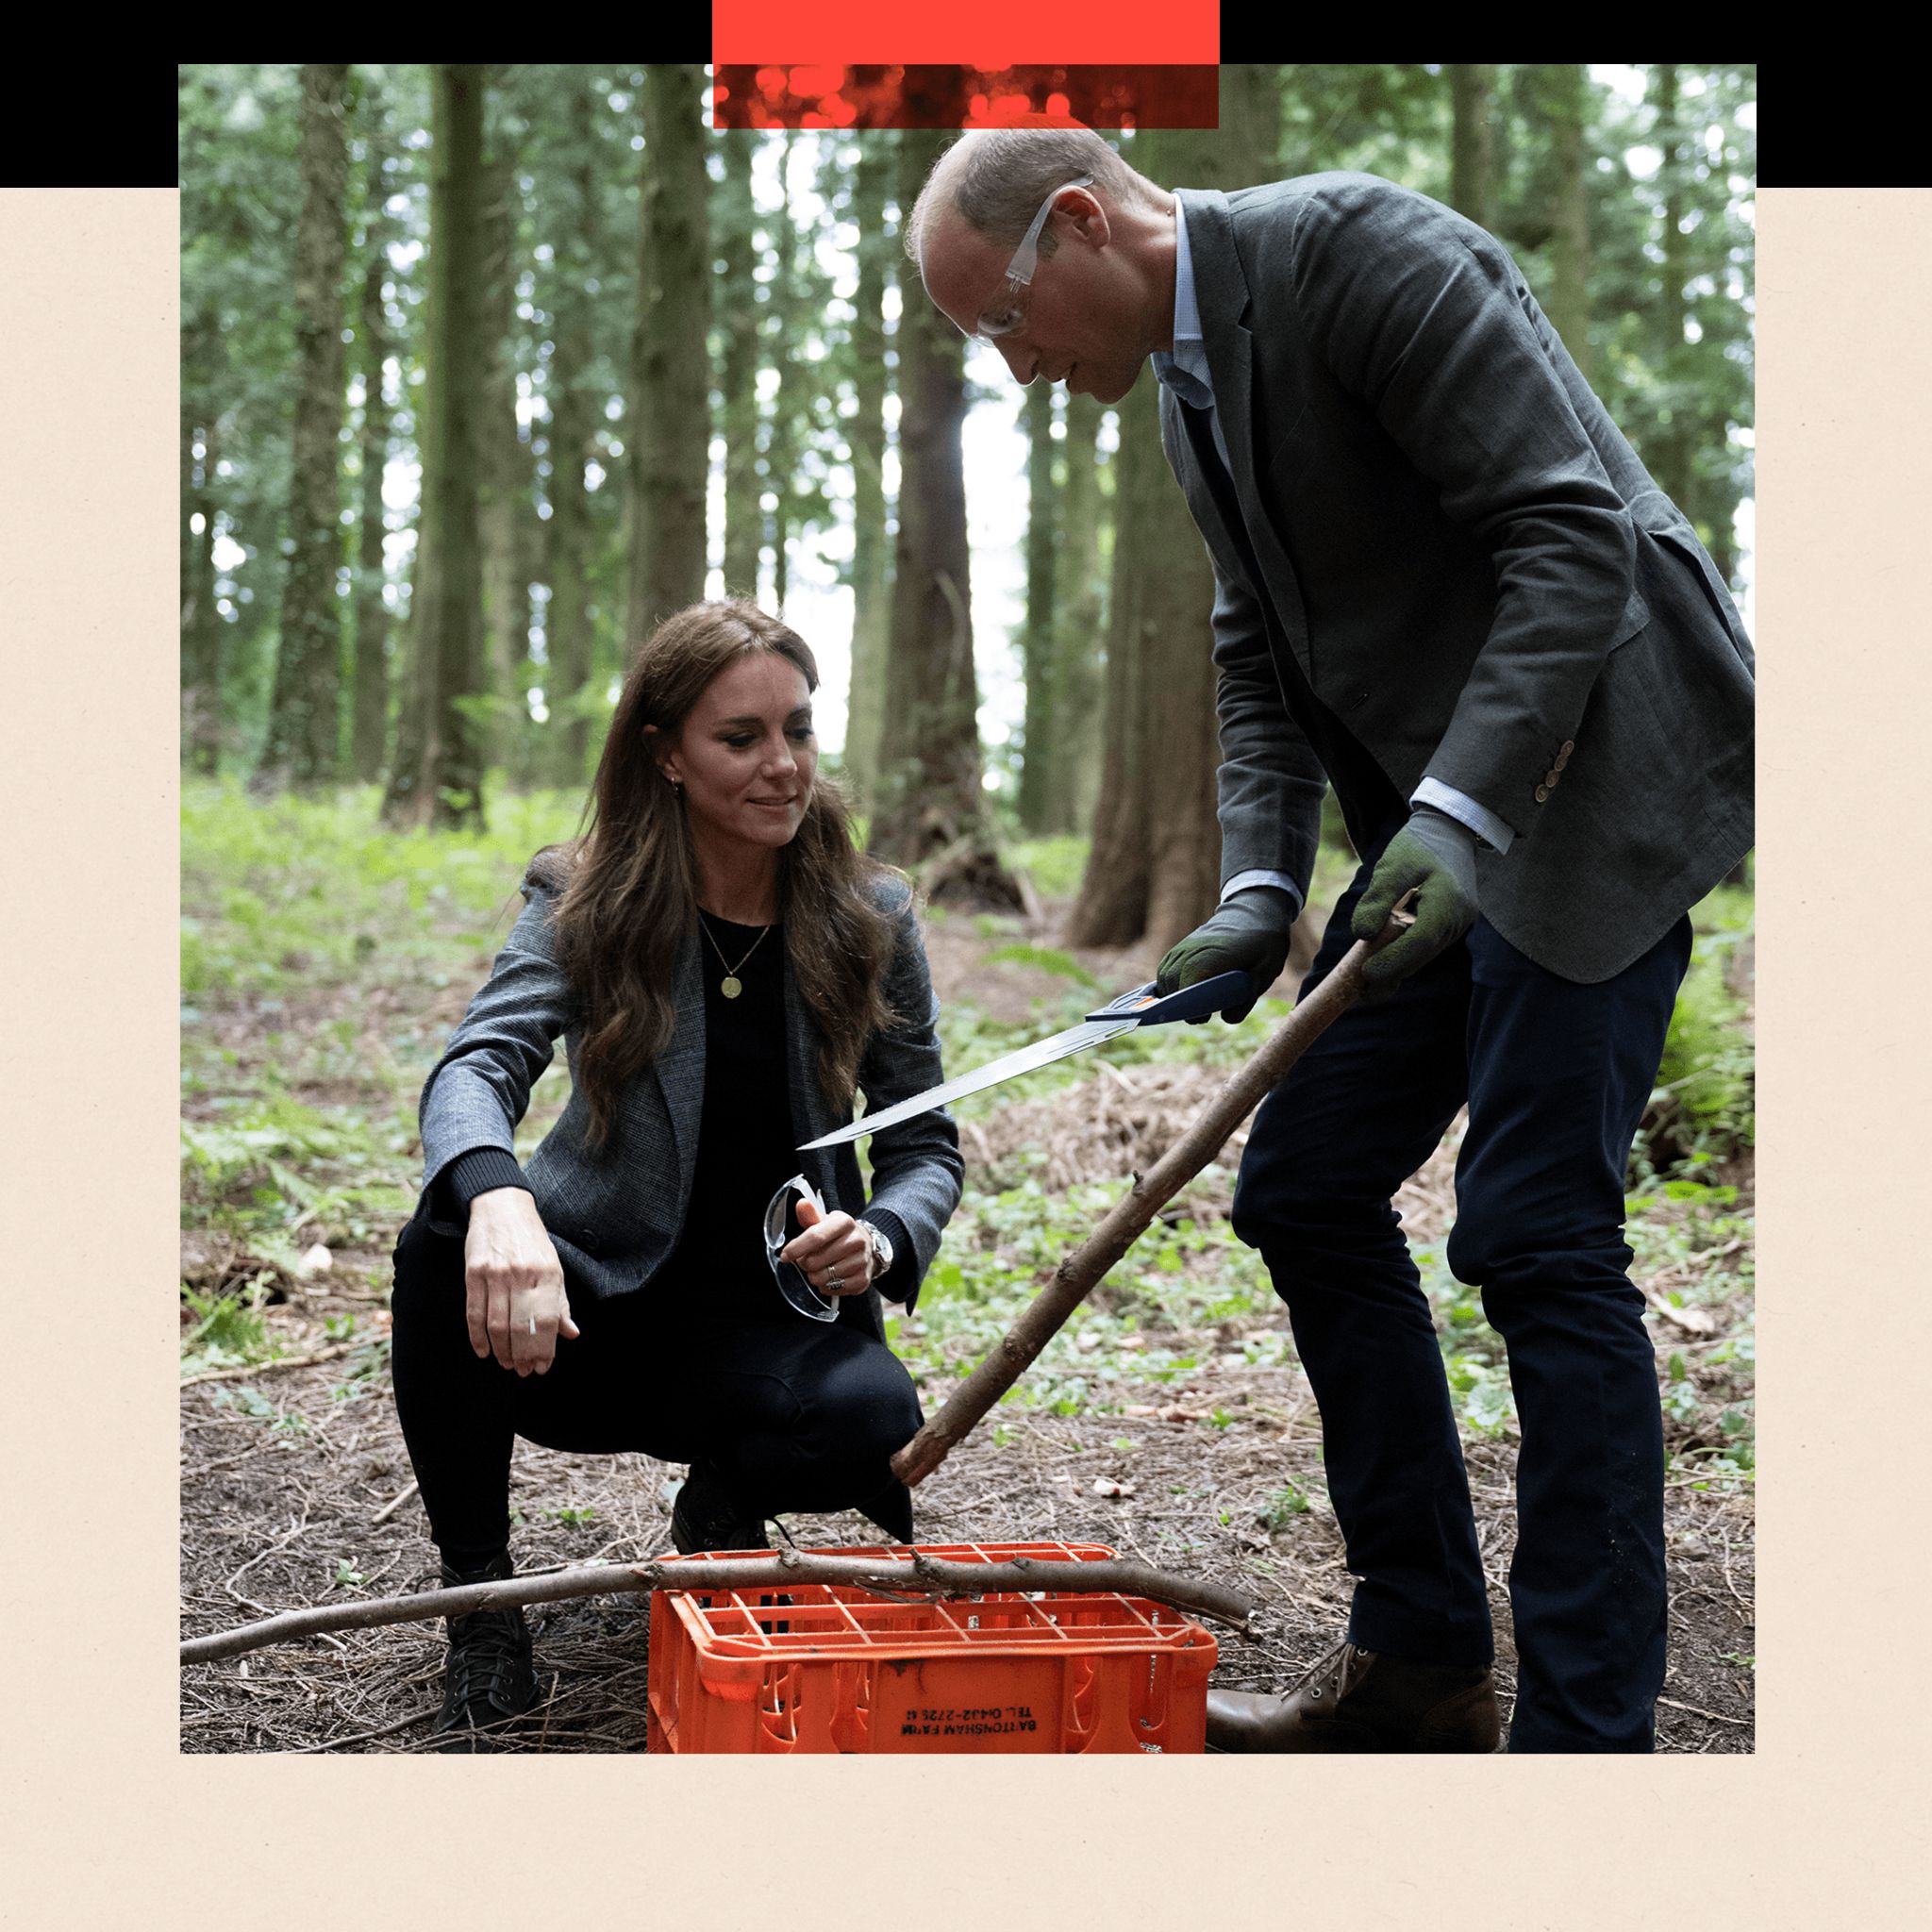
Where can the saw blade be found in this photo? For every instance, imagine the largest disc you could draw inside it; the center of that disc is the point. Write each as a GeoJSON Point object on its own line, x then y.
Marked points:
{"type": "Point", "coordinates": [1043, 1053]}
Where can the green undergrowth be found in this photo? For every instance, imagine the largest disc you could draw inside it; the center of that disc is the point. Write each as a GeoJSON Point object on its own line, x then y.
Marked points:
{"type": "Point", "coordinates": [1185, 1295]}
{"type": "Point", "coordinates": [263, 1166]}
{"type": "Point", "coordinates": [1189, 1299]}
{"type": "Point", "coordinates": [289, 892]}
{"type": "Point", "coordinates": [1054, 865]}
{"type": "Point", "coordinates": [1704, 1106]}
{"type": "Point", "coordinates": [300, 916]}
{"type": "Point", "coordinates": [299, 1096]}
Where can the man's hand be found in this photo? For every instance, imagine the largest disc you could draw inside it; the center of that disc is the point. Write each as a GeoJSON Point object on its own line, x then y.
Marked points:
{"type": "Point", "coordinates": [1248, 933]}
{"type": "Point", "coordinates": [514, 1298]}
{"type": "Point", "coordinates": [1435, 855]}
{"type": "Point", "coordinates": [832, 1253]}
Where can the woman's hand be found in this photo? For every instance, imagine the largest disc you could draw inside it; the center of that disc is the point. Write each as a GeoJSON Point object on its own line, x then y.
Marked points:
{"type": "Point", "coordinates": [513, 1283]}
{"type": "Point", "coordinates": [833, 1253]}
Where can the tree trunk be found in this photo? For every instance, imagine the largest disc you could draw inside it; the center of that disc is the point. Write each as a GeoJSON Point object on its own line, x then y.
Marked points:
{"type": "Point", "coordinates": [445, 786]}
{"type": "Point", "coordinates": [871, 550]}
{"type": "Point", "coordinates": [1079, 612]}
{"type": "Point", "coordinates": [1669, 455]}
{"type": "Point", "coordinates": [1473, 148]}
{"type": "Point", "coordinates": [370, 652]}
{"type": "Point", "coordinates": [500, 468]}
{"type": "Point", "coordinates": [670, 441]}
{"type": "Point", "coordinates": [1251, 122]}
{"type": "Point", "coordinates": [1155, 858]}
{"type": "Point", "coordinates": [1563, 97]}
{"type": "Point", "coordinates": [567, 620]}
{"type": "Point", "coordinates": [302, 735]}
{"type": "Point", "coordinates": [1039, 656]}
{"type": "Point", "coordinates": [932, 811]}
{"type": "Point", "coordinates": [200, 623]}
{"type": "Point", "coordinates": [1112, 909]}
{"type": "Point", "coordinates": [781, 434]}
{"type": "Point", "coordinates": [737, 376]}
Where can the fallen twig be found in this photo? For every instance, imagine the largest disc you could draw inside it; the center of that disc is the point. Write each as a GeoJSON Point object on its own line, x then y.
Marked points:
{"type": "Point", "coordinates": [275, 1362]}
{"type": "Point", "coordinates": [402, 1723]}
{"type": "Point", "coordinates": [394, 1504]}
{"type": "Point", "coordinates": [932, 1576]}
{"type": "Point", "coordinates": [1715, 1716]}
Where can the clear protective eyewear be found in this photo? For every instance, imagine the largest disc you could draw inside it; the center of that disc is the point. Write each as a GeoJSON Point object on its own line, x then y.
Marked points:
{"type": "Point", "coordinates": [782, 1226]}
{"type": "Point", "coordinates": [1005, 313]}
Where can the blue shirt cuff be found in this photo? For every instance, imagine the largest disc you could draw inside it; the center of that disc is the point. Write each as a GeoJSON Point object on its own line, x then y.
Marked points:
{"type": "Point", "coordinates": [1261, 875]}
{"type": "Point", "coordinates": [1465, 811]}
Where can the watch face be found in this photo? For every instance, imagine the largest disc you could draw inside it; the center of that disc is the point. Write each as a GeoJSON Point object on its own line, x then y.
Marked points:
{"type": "Point", "coordinates": [781, 1225]}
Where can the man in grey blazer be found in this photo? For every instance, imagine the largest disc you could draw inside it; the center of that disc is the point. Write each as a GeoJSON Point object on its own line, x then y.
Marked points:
{"type": "Point", "coordinates": [1445, 585]}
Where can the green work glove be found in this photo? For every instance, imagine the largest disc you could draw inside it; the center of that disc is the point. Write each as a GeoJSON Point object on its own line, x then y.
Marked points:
{"type": "Point", "coordinates": [1437, 855]}
{"type": "Point", "coordinates": [1248, 933]}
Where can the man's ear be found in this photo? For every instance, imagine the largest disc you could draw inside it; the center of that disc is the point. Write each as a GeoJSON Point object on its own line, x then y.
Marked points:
{"type": "Point", "coordinates": [1088, 217]}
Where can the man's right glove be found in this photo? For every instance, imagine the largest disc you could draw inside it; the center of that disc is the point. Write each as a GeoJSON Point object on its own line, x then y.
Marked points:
{"type": "Point", "coordinates": [1248, 933]}
{"type": "Point", "coordinates": [1435, 855]}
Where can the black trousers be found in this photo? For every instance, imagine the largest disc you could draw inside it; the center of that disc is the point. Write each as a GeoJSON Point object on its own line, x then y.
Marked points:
{"type": "Point", "coordinates": [794, 1414]}
{"type": "Point", "coordinates": [1556, 1077]}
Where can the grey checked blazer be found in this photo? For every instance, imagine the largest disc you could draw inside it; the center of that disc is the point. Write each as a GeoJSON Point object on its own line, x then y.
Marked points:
{"type": "Point", "coordinates": [616, 1214]}
{"type": "Point", "coordinates": [1436, 533]}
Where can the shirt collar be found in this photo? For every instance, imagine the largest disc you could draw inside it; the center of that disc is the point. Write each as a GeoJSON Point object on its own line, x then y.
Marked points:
{"type": "Point", "coordinates": [1185, 370]}
{"type": "Point", "coordinates": [1187, 310]}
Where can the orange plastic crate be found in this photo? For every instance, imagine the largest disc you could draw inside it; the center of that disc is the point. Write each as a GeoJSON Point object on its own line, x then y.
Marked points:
{"type": "Point", "coordinates": [842, 1668]}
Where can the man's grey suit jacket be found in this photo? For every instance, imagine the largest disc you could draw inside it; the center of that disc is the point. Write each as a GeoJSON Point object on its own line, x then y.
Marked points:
{"type": "Point", "coordinates": [1441, 557]}
{"type": "Point", "coordinates": [615, 1214]}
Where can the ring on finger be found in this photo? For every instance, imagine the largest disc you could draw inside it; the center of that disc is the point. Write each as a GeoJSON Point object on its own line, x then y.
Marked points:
{"type": "Point", "coordinates": [832, 1279]}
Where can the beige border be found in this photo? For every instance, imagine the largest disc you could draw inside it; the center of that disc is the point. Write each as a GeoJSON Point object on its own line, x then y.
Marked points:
{"type": "Point", "coordinates": [102, 1823]}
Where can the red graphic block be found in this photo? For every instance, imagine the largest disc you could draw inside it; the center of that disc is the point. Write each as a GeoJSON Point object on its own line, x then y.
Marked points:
{"type": "Point", "coordinates": [990, 35]}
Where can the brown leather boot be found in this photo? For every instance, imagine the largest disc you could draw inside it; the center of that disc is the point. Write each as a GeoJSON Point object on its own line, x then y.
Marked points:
{"type": "Point", "coordinates": [1354, 1700]}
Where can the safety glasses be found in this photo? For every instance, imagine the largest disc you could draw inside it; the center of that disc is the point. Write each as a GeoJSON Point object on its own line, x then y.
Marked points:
{"type": "Point", "coordinates": [781, 1226]}
{"type": "Point", "coordinates": [1007, 310]}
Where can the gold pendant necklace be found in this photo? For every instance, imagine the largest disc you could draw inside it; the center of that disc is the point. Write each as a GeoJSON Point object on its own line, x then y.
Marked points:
{"type": "Point", "coordinates": [731, 986]}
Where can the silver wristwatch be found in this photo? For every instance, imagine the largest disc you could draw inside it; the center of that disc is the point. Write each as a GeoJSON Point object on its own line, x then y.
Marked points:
{"type": "Point", "coordinates": [881, 1250]}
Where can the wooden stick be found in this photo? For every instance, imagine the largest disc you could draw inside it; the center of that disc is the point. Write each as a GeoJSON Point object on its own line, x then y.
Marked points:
{"type": "Point", "coordinates": [1087, 1266]}
{"type": "Point", "coordinates": [394, 1504]}
{"type": "Point", "coordinates": [916, 1574]}
{"type": "Point", "coordinates": [276, 1363]}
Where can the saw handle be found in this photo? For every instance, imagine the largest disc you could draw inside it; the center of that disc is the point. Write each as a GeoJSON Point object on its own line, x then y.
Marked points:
{"type": "Point", "coordinates": [1188, 1003]}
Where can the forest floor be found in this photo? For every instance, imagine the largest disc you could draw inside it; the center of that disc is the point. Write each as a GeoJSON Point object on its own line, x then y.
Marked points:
{"type": "Point", "coordinates": [1169, 1421]}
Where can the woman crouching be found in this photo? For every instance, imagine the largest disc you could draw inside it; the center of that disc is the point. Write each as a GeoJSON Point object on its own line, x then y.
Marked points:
{"type": "Point", "coordinates": [725, 969]}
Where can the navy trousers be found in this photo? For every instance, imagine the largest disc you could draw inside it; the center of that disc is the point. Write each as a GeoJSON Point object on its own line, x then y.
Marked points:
{"type": "Point", "coordinates": [1556, 1077]}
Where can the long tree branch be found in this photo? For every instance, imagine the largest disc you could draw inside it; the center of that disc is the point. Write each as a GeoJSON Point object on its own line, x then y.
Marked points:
{"type": "Point", "coordinates": [918, 1575]}
{"type": "Point", "coordinates": [1087, 1266]}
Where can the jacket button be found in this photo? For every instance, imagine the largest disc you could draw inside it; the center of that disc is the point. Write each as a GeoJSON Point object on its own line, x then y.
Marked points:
{"type": "Point", "coordinates": [1562, 759]}
{"type": "Point", "coordinates": [1551, 776]}
{"type": "Point", "coordinates": [1569, 746]}
{"type": "Point", "coordinates": [1542, 792]}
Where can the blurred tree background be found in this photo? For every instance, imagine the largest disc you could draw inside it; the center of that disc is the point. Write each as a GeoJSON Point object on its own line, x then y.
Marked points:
{"type": "Point", "coordinates": [486, 367]}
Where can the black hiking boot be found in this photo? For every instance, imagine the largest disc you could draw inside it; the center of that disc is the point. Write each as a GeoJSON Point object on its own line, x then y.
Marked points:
{"type": "Point", "coordinates": [705, 1517]}
{"type": "Point", "coordinates": [488, 1680]}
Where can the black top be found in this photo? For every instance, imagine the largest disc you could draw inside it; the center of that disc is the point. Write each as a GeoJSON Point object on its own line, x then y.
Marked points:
{"type": "Point", "coordinates": [746, 1144]}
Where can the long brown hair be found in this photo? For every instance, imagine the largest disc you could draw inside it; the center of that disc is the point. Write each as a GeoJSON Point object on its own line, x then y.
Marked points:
{"type": "Point", "coordinates": [629, 896]}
